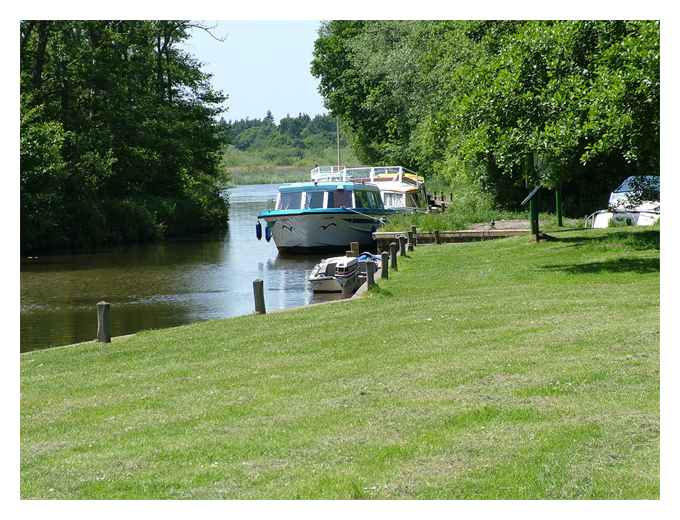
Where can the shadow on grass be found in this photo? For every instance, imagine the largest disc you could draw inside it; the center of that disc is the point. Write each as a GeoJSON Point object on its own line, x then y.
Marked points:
{"type": "Point", "coordinates": [638, 240]}
{"type": "Point", "coordinates": [619, 265]}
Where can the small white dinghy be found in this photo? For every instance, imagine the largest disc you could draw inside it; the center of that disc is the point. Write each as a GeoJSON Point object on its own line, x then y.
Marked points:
{"type": "Point", "coordinates": [348, 272]}
{"type": "Point", "coordinates": [332, 274]}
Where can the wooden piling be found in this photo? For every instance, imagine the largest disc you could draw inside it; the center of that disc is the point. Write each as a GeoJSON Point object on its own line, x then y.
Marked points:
{"type": "Point", "coordinates": [384, 266]}
{"type": "Point", "coordinates": [393, 256]}
{"type": "Point", "coordinates": [410, 240]}
{"type": "Point", "coordinates": [437, 238]}
{"type": "Point", "coordinates": [415, 236]}
{"type": "Point", "coordinates": [402, 245]}
{"type": "Point", "coordinates": [349, 253]}
{"type": "Point", "coordinates": [354, 246]}
{"type": "Point", "coordinates": [103, 322]}
{"type": "Point", "coordinates": [258, 293]}
{"type": "Point", "coordinates": [370, 274]}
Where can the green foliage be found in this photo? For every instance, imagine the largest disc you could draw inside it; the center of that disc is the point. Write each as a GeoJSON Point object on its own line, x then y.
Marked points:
{"type": "Point", "coordinates": [118, 134]}
{"type": "Point", "coordinates": [299, 141]}
{"type": "Point", "coordinates": [506, 103]}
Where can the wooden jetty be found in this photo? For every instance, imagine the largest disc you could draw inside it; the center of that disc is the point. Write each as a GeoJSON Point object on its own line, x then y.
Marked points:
{"type": "Point", "coordinates": [383, 238]}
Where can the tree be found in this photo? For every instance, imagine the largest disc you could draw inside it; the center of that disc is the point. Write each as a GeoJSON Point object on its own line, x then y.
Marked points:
{"type": "Point", "coordinates": [137, 139]}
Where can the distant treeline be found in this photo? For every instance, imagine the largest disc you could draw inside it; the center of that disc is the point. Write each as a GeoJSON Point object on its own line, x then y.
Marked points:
{"type": "Point", "coordinates": [119, 140]}
{"type": "Point", "coordinates": [499, 105]}
{"type": "Point", "coordinates": [298, 140]}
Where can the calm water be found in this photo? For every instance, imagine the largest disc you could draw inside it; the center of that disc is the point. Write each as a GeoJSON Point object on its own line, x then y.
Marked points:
{"type": "Point", "coordinates": [162, 285]}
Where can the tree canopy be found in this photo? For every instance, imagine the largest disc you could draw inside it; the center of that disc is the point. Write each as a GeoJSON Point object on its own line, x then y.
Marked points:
{"type": "Point", "coordinates": [500, 103]}
{"type": "Point", "coordinates": [118, 134]}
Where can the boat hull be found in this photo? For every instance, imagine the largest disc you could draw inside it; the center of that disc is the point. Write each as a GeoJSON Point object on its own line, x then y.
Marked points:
{"type": "Point", "coordinates": [317, 232]}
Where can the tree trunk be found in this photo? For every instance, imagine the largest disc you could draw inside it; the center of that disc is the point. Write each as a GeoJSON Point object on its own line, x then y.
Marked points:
{"type": "Point", "coordinates": [25, 37]}
{"type": "Point", "coordinates": [39, 63]}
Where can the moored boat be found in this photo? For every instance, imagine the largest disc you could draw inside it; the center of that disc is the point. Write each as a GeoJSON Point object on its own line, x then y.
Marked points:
{"type": "Point", "coordinates": [317, 216]}
{"type": "Point", "coordinates": [331, 274]}
{"type": "Point", "coordinates": [400, 188]}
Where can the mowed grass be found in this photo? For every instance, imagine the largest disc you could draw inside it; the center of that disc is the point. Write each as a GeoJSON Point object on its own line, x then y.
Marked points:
{"type": "Point", "coordinates": [497, 369]}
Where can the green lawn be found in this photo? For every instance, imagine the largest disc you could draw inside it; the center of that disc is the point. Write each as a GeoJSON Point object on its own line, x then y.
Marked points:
{"type": "Point", "coordinates": [497, 369]}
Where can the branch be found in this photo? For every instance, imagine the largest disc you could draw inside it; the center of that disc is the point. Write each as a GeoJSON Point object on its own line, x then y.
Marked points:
{"type": "Point", "coordinates": [207, 29]}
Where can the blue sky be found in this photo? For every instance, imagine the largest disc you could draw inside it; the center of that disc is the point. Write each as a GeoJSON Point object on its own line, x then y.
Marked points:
{"type": "Point", "coordinates": [261, 65]}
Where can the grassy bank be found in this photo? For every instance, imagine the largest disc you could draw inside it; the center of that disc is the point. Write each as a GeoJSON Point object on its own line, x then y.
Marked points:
{"type": "Point", "coordinates": [497, 369]}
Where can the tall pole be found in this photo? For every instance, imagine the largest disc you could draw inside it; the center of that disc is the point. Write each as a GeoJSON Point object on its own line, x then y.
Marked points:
{"type": "Point", "coordinates": [558, 204]}
{"type": "Point", "coordinates": [337, 136]}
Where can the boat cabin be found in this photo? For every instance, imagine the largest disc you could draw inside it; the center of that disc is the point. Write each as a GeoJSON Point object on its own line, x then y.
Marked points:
{"type": "Point", "coordinates": [307, 195]}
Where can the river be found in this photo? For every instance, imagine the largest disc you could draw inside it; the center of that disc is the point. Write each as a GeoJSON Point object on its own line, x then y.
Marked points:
{"type": "Point", "coordinates": [165, 284]}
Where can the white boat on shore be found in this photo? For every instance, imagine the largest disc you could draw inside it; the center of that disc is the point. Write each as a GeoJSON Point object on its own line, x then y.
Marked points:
{"type": "Point", "coordinates": [625, 210]}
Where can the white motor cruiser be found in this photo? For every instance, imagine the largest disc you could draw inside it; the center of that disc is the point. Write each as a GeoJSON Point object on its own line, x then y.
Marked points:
{"type": "Point", "coordinates": [624, 210]}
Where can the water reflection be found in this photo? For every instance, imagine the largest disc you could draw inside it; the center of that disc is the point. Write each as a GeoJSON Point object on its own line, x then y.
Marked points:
{"type": "Point", "coordinates": [161, 285]}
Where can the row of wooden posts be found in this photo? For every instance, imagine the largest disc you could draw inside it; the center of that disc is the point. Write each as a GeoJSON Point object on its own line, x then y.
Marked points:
{"type": "Point", "coordinates": [388, 262]}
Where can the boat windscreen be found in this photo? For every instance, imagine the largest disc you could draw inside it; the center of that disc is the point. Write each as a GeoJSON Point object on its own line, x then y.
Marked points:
{"type": "Point", "coordinates": [340, 199]}
{"type": "Point", "coordinates": [290, 200]}
{"type": "Point", "coordinates": [314, 199]}
{"type": "Point", "coordinates": [649, 182]}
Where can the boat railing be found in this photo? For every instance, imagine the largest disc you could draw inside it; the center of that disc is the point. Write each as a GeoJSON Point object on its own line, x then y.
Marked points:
{"type": "Point", "coordinates": [360, 173]}
{"type": "Point", "coordinates": [330, 173]}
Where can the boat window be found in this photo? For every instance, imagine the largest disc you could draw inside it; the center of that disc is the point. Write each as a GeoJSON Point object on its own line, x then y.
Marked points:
{"type": "Point", "coordinates": [340, 199]}
{"type": "Point", "coordinates": [411, 201]}
{"type": "Point", "coordinates": [314, 199]}
{"type": "Point", "coordinates": [374, 200]}
{"type": "Point", "coordinates": [290, 200]}
{"type": "Point", "coordinates": [650, 182]}
{"type": "Point", "coordinates": [394, 200]}
{"type": "Point", "coordinates": [361, 199]}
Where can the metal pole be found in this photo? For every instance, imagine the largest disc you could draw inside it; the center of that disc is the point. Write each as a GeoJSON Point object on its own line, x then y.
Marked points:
{"type": "Point", "coordinates": [558, 204]}
{"type": "Point", "coordinates": [337, 136]}
{"type": "Point", "coordinates": [534, 216]}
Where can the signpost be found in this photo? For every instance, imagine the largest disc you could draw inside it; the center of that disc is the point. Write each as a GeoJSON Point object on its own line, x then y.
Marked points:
{"type": "Point", "coordinates": [533, 200]}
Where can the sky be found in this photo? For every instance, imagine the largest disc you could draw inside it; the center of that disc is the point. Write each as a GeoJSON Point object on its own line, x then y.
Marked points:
{"type": "Point", "coordinates": [260, 66]}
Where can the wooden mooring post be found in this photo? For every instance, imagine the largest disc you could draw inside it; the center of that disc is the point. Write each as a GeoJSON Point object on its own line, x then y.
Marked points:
{"type": "Point", "coordinates": [354, 246]}
{"type": "Point", "coordinates": [410, 240]}
{"type": "Point", "coordinates": [385, 268]}
{"type": "Point", "coordinates": [402, 245]}
{"type": "Point", "coordinates": [415, 236]}
{"type": "Point", "coordinates": [370, 274]}
{"type": "Point", "coordinates": [104, 322]}
{"type": "Point", "coordinates": [437, 237]}
{"type": "Point", "coordinates": [258, 293]}
{"type": "Point", "coordinates": [393, 256]}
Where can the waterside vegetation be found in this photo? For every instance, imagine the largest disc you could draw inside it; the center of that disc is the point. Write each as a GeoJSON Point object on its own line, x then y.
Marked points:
{"type": "Point", "coordinates": [119, 141]}
{"type": "Point", "coordinates": [500, 106]}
